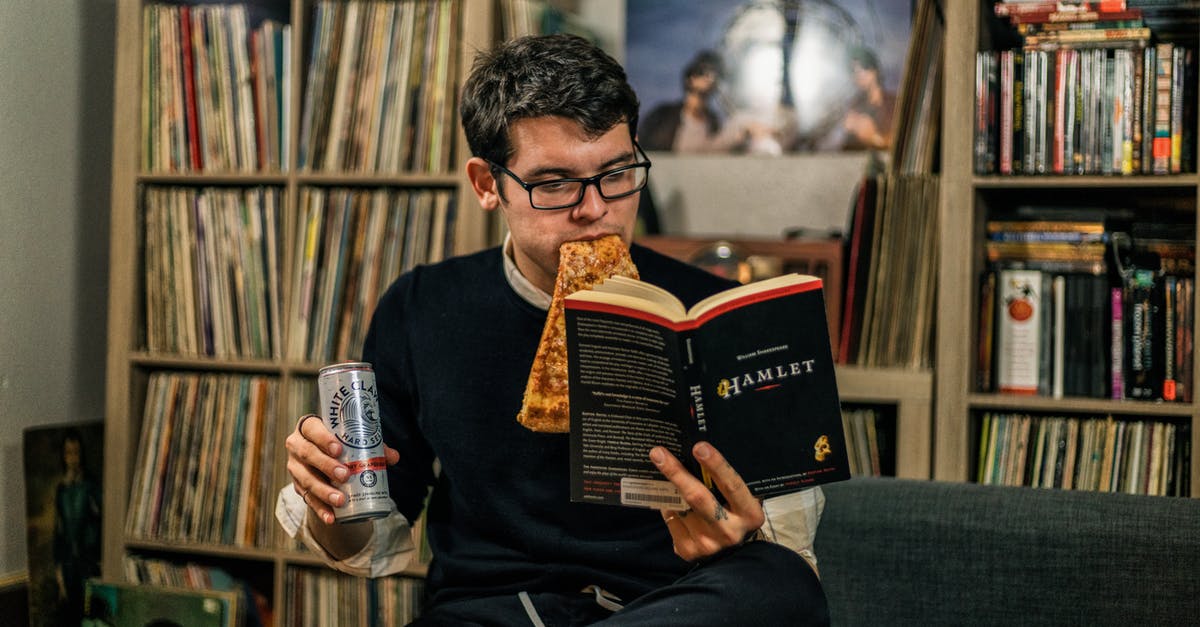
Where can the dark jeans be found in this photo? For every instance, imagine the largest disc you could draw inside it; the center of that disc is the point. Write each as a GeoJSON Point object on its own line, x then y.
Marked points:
{"type": "Point", "coordinates": [756, 584]}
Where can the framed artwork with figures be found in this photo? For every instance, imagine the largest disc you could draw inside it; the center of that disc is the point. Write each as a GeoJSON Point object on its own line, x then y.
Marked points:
{"type": "Point", "coordinates": [766, 76]}
{"type": "Point", "coordinates": [64, 468]}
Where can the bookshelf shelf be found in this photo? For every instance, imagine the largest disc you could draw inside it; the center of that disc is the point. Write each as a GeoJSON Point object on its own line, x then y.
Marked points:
{"type": "Point", "coordinates": [969, 199]}
{"type": "Point", "coordinates": [1180, 181]}
{"type": "Point", "coordinates": [185, 549]}
{"type": "Point", "coordinates": [212, 179]}
{"type": "Point", "coordinates": [911, 392]}
{"type": "Point", "coordinates": [162, 361]}
{"type": "Point", "coordinates": [1080, 405]}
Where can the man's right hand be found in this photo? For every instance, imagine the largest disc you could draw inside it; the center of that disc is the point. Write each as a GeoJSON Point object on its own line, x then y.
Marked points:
{"type": "Point", "coordinates": [313, 453]}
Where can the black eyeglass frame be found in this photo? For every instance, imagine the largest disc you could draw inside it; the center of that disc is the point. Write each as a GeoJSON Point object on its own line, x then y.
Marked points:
{"type": "Point", "coordinates": [585, 182]}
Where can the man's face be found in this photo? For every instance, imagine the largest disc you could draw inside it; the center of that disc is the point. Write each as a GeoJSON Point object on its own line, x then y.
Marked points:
{"type": "Point", "coordinates": [553, 147]}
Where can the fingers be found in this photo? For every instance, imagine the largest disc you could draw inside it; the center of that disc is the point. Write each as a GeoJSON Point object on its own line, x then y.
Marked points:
{"type": "Point", "coordinates": [392, 455]}
{"type": "Point", "coordinates": [708, 526]}
{"type": "Point", "coordinates": [314, 467]}
{"type": "Point", "coordinates": [730, 483]}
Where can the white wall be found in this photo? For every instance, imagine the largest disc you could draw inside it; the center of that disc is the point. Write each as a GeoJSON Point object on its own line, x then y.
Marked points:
{"type": "Point", "coordinates": [56, 60]}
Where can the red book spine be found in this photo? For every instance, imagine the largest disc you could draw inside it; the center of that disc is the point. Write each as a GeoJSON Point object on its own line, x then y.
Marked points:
{"type": "Point", "coordinates": [189, 89]}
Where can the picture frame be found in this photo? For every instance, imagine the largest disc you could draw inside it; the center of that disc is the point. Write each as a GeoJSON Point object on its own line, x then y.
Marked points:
{"type": "Point", "coordinates": [63, 471]}
{"type": "Point", "coordinates": [119, 604]}
{"type": "Point", "coordinates": [775, 76]}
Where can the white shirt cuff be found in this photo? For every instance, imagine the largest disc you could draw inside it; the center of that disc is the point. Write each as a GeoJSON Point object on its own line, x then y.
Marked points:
{"type": "Point", "coordinates": [389, 551]}
{"type": "Point", "coordinates": [792, 521]}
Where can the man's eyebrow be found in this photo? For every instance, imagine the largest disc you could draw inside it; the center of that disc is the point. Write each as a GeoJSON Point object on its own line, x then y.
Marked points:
{"type": "Point", "coordinates": [617, 161]}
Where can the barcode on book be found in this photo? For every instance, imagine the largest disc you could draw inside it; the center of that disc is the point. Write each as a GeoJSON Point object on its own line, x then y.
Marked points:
{"type": "Point", "coordinates": [651, 493]}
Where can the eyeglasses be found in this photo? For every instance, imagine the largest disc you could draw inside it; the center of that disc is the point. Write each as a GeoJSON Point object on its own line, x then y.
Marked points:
{"type": "Point", "coordinates": [568, 192]}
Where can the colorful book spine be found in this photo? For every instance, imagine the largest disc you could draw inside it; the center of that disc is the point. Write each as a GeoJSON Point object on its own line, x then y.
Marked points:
{"type": "Point", "coordinates": [1019, 322]}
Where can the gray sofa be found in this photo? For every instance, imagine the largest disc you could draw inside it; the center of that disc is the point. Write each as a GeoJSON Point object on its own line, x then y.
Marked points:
{"type": "Point", "coordinates": [905, 552]}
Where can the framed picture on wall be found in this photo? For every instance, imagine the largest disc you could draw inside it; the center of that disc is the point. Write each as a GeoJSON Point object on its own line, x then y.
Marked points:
{"type": "Point", "coordinates": [766, 76]}
{"type": "Point", "coordinates": [64, 468]}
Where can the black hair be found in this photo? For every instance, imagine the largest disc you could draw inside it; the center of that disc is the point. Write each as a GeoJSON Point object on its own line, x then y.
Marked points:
{"type": "Point", "coordinates": [864, 57]}
{"type": "Point", "coordinates": [704, 61]}
{"type": "Point", "coordinates": [543, 75]}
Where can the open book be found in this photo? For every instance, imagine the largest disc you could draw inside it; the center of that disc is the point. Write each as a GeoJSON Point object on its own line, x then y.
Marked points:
{"type": "Point", "coordinates": [749, 370]}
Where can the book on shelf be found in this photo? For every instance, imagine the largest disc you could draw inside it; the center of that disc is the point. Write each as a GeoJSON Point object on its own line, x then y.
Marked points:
{"type": "Point", "coordinates": [1106, 454]}
{"type": "Point", "coordinates": [319, 597]}
{"type": "Point", "coordinates": [379, 94]}
{"type": "Point", "coordinates": [209, 100]}
{"type": "Point", "coordinates": [749, 370]}
{"type": "Point", "coordinates": [857, 262]}
{"type": "Point", "coordinates": [1066, 105]}
{"type": "Point", "coordinates": [869, 441]}
{"type": "Point", "coordinates": [1010, 8]}
{"type": "Point", "coordinates": [1091, 267]}
{"type": "Point", "coordinates": [153, 573]}
{"type": "Point", "coordinates": [1018, 331]}
{"type": "Point", "coordinates": [182, 490]}
{"type": "Point", "coordinates": [348, 246]}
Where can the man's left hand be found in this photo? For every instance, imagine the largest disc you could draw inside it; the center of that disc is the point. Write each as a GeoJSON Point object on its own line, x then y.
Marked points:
{"type": "Point", "coordinates": [708, 526]}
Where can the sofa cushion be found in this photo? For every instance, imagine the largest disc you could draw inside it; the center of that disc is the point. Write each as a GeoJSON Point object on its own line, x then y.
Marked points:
{"type": "Point", "coordinates": [895, 552]}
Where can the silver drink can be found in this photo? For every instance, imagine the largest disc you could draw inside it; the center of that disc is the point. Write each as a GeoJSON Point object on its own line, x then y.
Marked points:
{"type": "Point", "coordinates": [350, 409]}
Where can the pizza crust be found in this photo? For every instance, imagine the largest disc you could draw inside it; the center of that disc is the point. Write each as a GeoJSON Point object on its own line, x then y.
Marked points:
{"type": "Point", "coordinates": [581, 265]}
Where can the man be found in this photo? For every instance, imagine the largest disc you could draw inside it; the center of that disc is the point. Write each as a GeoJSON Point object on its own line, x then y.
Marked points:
{"type": "Point", "coordinates": [868, 120]}
{"type": "Point", "coordinates": [550, 122]}
{"type": "Point", "coordinates": [693, 125]}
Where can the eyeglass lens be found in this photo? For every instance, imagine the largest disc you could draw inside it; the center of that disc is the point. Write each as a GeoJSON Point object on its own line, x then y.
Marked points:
{"type": "Point", "coordinates": [556, 194]}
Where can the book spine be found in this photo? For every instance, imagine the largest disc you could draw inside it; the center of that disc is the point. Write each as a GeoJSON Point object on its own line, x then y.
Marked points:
{"type": "Point", "coordinates": [1162, 108]}
{"type": "Point", "coordinates": [1071, 17]}
{"type": "Point", "coordinates": [1168, 338]}
{"type": "Point", "coordinates": [1019, 331]}
{"type": "Point", "coordinates": [1176, 126]}
{"type": "Point", "coordinates": [1005, 138]}
{"type": "Point", "coordinates": [983, 83]}
{"type": "Point", "coordinates": [1060, 311]}
{"type": "Point", "coordinates": [1117, 343]}
{"type": "Point", "coordinates": [1019, 99]}
{"type": "Point", "coordinates": [1092, 36]}
{"type": "Point", "coordinates": [189, 90]}
{"type": "Point", "coordinates": [1059, 144]}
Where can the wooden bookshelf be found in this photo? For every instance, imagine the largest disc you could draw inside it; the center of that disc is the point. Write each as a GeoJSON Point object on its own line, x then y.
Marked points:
{"type": "Point", "coordinates": [131, 367]}
{"type": "Point", "coordinates": [965, 202]}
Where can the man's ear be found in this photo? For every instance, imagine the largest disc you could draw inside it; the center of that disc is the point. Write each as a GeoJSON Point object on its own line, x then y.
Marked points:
{"type": "Point", "coordinates": [484, 184]}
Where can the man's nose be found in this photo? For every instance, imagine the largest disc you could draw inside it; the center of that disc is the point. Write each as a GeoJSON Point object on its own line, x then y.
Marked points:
{"type": "Point", "coordinates": [593, 206]}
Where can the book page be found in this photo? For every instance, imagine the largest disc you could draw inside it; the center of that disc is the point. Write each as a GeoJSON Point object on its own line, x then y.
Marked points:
{"type": "Point", "coordinates": [750, 291]}
{"type": "Point", "coordinates": [631, 294]}
{"type": "Point", "coordinates": [663, 301]}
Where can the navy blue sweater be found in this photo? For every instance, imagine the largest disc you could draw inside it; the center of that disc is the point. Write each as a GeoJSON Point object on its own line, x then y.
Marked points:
{"type": "Point", "coordinates": [452, 345]}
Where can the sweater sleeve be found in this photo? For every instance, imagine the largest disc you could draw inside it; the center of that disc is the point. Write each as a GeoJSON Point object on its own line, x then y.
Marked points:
{"type": "Point", "coordinates": [387, 347]}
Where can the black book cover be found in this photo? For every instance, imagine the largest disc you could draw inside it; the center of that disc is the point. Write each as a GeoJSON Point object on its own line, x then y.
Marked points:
{"type": "Point", "coordinates": [752, 374]}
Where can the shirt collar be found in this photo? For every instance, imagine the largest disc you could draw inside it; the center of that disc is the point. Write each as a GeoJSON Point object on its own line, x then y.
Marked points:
{"type": "Point", "coordinates": [521, 285]}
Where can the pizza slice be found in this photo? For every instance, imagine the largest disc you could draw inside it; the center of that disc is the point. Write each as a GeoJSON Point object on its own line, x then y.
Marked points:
{"type": "Point", "coordinates": [581, 265]}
